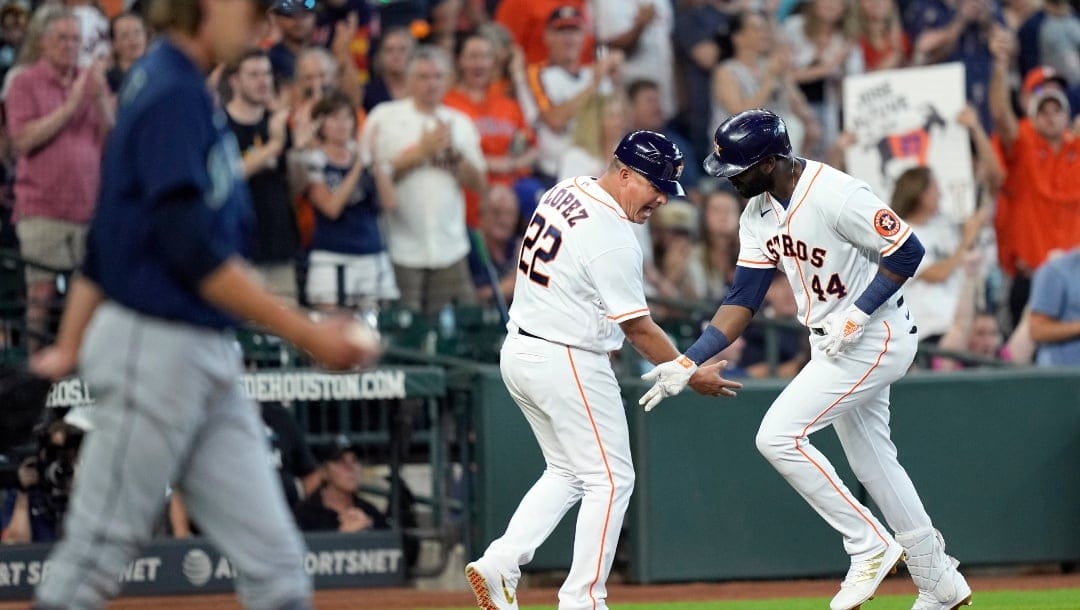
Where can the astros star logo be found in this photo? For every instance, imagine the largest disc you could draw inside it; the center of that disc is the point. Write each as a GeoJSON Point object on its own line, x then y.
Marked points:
{"type": "Point", "coordinates": [886, 223]}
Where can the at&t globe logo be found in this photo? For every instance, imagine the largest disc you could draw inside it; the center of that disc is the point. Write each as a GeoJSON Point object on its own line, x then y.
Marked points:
{"type": "Point", "coordinates": [197, 567]}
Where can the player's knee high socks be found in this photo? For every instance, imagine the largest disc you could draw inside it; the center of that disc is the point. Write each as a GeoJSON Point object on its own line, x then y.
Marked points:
{"type": "Point", "coordinates": [930, 568]}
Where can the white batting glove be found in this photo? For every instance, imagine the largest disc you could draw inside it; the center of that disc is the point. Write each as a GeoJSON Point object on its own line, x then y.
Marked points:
{"type": "Point", "coordinates": [671, 378]}
{"type": "Point", "coordinates": [842, 330]}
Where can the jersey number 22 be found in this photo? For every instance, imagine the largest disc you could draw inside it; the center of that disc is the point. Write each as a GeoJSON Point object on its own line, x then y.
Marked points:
{"type": "Point", "coordinates": [545, 251]}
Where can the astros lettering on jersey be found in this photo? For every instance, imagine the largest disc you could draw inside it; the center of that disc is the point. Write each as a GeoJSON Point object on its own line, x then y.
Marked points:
{"type": "Point", "coordinates": [828, 241]}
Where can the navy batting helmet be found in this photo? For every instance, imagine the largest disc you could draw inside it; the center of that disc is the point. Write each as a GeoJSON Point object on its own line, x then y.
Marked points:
{"type": "Point", "coordinates": [745, 139]}
{"type": "Point", "coordinates": [654, 156]}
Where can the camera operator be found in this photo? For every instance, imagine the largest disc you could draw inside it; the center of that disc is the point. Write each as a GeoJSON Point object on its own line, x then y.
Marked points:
{"type": "Point", "coordinates": [33, 511]}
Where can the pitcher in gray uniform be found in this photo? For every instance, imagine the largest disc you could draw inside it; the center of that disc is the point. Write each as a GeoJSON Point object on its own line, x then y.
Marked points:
{"type": "Point", "coordinates": [149, 320]}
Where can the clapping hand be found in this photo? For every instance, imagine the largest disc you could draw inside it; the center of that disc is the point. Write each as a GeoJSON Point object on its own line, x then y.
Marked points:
{"type": "Point", "coordinates": [435, 140]}
{"type": "Point", "coordinates": [354, 520]}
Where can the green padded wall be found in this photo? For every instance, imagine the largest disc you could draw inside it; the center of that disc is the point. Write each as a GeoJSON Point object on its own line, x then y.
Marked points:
{"type": "Point", "coordinates": [995, 456]}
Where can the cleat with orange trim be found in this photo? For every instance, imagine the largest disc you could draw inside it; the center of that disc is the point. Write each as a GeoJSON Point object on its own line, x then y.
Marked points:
{"type": "Point", "coordinates": [493, 590]}
{"type": "Point", "coordinates": [864, 577]}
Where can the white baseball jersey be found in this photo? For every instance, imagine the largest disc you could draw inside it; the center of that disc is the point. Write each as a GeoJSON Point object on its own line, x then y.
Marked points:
{"type": "Point", "coordinates": [579, 269]}
{"type": "Point", "coordinates": [579, 275]}
{"type": "Point", "coordinates": [828, 241]}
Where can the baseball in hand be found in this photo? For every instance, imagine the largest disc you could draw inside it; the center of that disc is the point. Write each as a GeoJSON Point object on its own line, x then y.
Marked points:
{"type": "Point", "coordinates": [363, 336]}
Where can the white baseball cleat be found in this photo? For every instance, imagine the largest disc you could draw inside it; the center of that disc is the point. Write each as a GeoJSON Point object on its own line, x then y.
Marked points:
{"type": "Point", "coordinates": [941, 585]}
{"type": "Point", "coordinates": [864, 577]}
{"type": "Point", "coordinates": [494, 591]}
{"type": "Point", "coordinates": [949, 596]}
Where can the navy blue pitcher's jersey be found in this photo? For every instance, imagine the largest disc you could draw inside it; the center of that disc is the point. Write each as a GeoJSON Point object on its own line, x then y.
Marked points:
{"type": "Point", "coordinates": [173, 205]}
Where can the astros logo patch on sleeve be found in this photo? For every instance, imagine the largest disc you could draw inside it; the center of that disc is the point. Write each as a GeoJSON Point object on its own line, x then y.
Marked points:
{"type": "Point", "coordinates": [886, 223]}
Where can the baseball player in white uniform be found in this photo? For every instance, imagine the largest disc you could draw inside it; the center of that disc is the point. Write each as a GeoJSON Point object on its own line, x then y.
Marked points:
{"type": "Point", "coordinates": [846, 255]}
{"type": "Point", "coordinates": [580, 291]}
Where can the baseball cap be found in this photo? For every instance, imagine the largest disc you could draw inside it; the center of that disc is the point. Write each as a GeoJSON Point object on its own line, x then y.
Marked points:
{"type": "Point", "coordinates": [1040, 76]}
{"type": "Point", "coordinates": [654, 156]}
{"type": "Point", "coordinates": [333, 450]}
{"type": "Point", "coordinates": [565, 17]}
{"type": "Point", "coordinates": [1043, 94]}
{"type": "Point", "coordinates": [291, 8]}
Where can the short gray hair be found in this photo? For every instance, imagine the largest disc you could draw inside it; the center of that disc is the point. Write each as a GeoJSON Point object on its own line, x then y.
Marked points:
{"type": "Point", "coordinates": [324, 56]}
{"type": "Point", "coordinates": [428, 52]}
{"type": "Point", "coordinates": [40, 23]}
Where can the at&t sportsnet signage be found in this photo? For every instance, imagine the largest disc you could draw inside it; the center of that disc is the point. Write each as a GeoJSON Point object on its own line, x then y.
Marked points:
{"type": "Point", "coordinates": [183, 567]}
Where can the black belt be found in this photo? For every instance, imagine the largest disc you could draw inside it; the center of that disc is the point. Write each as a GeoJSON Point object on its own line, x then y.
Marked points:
{"type": "Point", "coordinates": [522, 331]}
{"type": "Point", "coordinates": [819, 331]}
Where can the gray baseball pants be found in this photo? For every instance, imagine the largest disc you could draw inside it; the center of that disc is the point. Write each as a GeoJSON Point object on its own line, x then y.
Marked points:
{"type": "Point", "coordinates": [170, 411]}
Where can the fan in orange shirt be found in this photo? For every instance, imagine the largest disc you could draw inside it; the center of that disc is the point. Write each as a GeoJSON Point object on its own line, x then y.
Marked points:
{"type": "Point", "coordinates": [1038, 210]}
{"type": "Point", "coordinates": [527, 20]}
{"type": "Point", "coordinates": [508, 143]}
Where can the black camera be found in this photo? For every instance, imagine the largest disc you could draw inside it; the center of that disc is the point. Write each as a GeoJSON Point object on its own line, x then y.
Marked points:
{"type": "Point", "coordinates": [52, 456]}
{"type": "Point", "coordinates": [58, 451]}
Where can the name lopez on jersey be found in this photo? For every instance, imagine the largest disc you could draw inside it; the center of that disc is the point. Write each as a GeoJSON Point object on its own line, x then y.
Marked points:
{"type": "Point", "coordinates": [567, 204]}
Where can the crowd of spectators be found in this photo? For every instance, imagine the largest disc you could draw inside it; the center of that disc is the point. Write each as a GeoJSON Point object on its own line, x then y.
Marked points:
{"type": "Point", "coordinates": [327, 486]}
{"type": "Point", "coordinates": [396, 150]}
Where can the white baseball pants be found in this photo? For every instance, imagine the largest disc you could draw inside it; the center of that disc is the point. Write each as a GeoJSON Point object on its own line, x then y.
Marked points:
{"type": "Point", "coordinates": [850, 392]}
{"type": "Point", "coordinates": [572, 402]}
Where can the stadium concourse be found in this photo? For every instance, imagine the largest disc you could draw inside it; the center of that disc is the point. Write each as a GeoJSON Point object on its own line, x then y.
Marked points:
{"type": "Point", "coordinates": [413, 599]}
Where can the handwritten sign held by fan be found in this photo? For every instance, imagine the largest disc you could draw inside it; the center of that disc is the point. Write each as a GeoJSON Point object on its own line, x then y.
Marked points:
{"type": "Point", "coordinates": [905, 118]}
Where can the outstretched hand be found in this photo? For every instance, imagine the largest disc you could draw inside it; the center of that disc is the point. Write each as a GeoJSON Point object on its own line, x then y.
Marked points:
{"type": "Point", "coordinates": [709, 380]}
{"type": "Point", "coordinates": [671, 378]}
{"type": "Point", "coordinates": [668, 379]}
